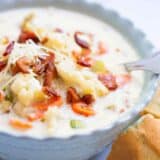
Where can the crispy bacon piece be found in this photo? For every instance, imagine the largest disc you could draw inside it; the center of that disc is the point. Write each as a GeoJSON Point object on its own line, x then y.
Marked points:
{"type": "Point", "coordinates": [49, 91]}
{"type": "Point", "coordinates": [26, 35]}
{"type": "Point", "coordinates": [9, 48]}
{"type": "Point", "coordinates": [82, 43]}
{"type": "Point", "coordinates": [2, 65]}
{"type": "Point", "coordinates": [85, 61]}
{"type": "Point", "coordinates": [50, 70]}
{"type": "Point", "coordinates": [44, 40]}
{"type": "Point", "coordinates": [108, 80]}
{"type": "Point", "coordinates": [72, 95]}
{"type": "Point", "coordinates": [76, 54]}
{"type": "Point", "coordinates": [51, 102]}
{"type": "Point", "coordinates": [54, 99]}
{"type": "Point", "coordinates": [83, 109]}
{"type": "Point", "coordinates": [22, 65]}
{"type": "Point", "coordinates": [45, 67]}
{"type": "Point", "coordinates": [39, 66]}
{"type": "Point", "coordinates": [88, 99]}
{"type": "Point", "coordinates": [49, 74]}
{"type": "Point", "coordinates": [86, 51]}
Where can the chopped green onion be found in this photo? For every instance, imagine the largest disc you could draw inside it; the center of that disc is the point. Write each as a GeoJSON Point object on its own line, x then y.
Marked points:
{"type": "Point", "coordinates": [76, 124]}
{"type": "Point", "coordinates": [111, 107]}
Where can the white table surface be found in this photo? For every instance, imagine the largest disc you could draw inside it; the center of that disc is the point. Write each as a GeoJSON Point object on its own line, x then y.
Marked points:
{"type": "Point", "coordinates": [145, 14]}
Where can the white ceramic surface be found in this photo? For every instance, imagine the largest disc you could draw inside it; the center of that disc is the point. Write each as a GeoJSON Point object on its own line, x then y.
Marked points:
{"type": "Point", "coordinates": [84, 146]}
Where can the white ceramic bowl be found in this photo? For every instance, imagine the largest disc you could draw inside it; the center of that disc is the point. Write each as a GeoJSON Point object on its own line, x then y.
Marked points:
{"type": "Point", "coordinates": [80, 147]}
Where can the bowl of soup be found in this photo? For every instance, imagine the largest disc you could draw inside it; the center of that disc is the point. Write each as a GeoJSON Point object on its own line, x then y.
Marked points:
{"type": "Point", "coordinates": [64, 93]}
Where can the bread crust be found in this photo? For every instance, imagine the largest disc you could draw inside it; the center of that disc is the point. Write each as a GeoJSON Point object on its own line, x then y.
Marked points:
{"type": "Point", "coordinates": [140, 142]}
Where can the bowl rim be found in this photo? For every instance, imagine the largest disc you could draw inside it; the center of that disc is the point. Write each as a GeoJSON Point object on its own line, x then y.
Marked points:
{"type": "Point", "coordinates": [124, 117]}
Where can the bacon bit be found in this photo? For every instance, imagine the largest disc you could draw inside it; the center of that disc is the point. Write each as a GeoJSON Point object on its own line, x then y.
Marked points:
{"type": "Point", "coordinates": [49, 74]}
{"type": "Point", "coordinates": [51, 102]}
{"type": "Point", "coordinates": [102, 48]}
{"type": "Point", "coordinates": [88, 99]}
{"type": "Point", "coordinates": [86, 51]}
{"type": "Point", "coordinates": [1, 96]}
{"type": "Point", "coordinates": [76, 54]}
{"type": "Point", "coordinates": [50, 71]}
{"type": "Point", "coordinates": [118, 50]}
{"type": "Point", "coordinates": [122, 110]}
{"type": "Point", "coordinates": [108, 80]}
{"type": "Point", "coordinates": [79, 41]}
{"type": "Point", "coordinates": [39, 66]}
{"type": "Point", "coordinates": [44, 40]}
{"type": "Point", "coordinates": [26, 35]}
{"type": "Point", "coordinates": [72, 95]}
{"type": "Point", "coordinates": [45, 66]}
{"type": "Point", "coordinates": [83, 109]}
{"type": "Point", "coordinates": [2, 65]}
{"type": "Point", "coordinates": [49, 91]}
{"type": "Point", "coordinates": [35, 116]}
{"type": "Point", "coordinates": [20, 125]}
{"type": "Point", "coordinates": [9, 49]}
{"type": "Point", "coordinates": [22, 65]}
{"type": "Point", "coordinates": [123, 79]}
{"type": "Point", "coordinates": [85, 61]}
{"type": "Point", "coordinates": [58, 30]}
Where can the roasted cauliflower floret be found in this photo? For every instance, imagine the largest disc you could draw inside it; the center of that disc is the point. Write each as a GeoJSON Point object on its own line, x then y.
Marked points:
{"type": "Point", "coordinates": [25, 87]}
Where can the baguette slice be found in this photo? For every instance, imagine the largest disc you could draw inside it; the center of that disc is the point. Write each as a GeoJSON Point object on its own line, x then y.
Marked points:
{"type": "Point", "coordinates": [139, 142]}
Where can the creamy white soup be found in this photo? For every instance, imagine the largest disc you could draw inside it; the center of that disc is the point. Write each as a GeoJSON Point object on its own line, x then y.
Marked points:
{"type": "Point", "coordinates": [61, 73]}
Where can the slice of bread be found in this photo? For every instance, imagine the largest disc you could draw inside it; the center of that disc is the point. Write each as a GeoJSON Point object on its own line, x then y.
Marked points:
{"type": "Point", "coordinates": [139, 142]}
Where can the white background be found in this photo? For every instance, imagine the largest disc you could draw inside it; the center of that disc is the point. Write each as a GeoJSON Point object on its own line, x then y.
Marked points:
{"type": "Point", "coordinates": [145, 14]}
